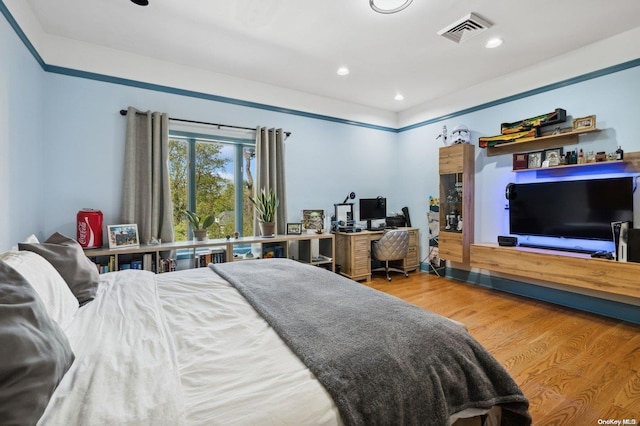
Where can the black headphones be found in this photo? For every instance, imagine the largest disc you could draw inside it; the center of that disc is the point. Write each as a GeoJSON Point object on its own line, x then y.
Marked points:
{"type": "Point", "coordinates": [509, 192]}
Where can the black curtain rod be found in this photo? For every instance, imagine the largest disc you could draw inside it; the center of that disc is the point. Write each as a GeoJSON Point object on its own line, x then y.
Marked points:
{"type": "Point", "coordinates": [124, 112]}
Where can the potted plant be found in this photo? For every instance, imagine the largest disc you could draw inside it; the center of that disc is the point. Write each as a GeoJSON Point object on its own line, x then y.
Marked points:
{"type": "Point", "coordinates": [199, 225]}
{"type": "Point", "coordinates": [266, 203]}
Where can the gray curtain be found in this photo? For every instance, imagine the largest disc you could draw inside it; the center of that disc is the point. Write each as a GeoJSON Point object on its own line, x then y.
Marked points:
{"type": "Point", "coordinates": [270, 172]}
{"type": "Point", "coordinates": [146, 195]}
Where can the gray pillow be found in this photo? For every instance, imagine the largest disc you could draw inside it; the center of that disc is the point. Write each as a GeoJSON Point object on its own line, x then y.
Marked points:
{"type": "Point", "coordinates": [34, 351]}
{"type": "Point", "coordinates": [67, 256]}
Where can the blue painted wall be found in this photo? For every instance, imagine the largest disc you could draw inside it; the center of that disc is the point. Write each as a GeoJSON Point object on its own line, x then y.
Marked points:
{"type": "Point", "coordinates": [21, 140]}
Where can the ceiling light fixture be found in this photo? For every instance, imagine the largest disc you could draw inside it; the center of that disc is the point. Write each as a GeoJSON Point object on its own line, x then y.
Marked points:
{"type": "Point", "coordinates": [493, 43]}
{"type": "Point", "coordinates": [343, 71]}
{"type": "Point", "coordinates": [389, 6]}
{"type": "Point", "coordinates": [141, 2]}
{"type": "Point", "coordinates": [399, 97]}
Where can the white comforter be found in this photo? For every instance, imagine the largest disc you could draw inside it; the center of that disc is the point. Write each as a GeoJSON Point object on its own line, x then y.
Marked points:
{"type": "Point", "coordinates": [126, 370]}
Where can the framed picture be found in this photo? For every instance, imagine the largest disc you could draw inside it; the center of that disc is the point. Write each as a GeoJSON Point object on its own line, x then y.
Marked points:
{"type": "Point", "coordinates": [520, 161]}
{"type": "Point", "coordinates": [123, 235]}
{"type": "Point", "coordinates": [553, 156]}
{"type": "Point", "coordinates": [294, 228]}
{"type": "Point", "coordinates": [312, 219]}
{"type": "Point", "coordinates": [535, 160]}
{"type": "Point", "coordinates": [584, 123]}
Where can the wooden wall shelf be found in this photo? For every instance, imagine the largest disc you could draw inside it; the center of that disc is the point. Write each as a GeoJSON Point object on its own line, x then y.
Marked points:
{"type": "Point", "coordinates": [538, 144]}
{"type": "Point", "coordinates": [572, 269]}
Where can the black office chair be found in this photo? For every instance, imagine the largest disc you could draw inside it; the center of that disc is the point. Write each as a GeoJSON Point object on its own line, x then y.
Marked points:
{"type": "Point", "coordinates": [393, 245]}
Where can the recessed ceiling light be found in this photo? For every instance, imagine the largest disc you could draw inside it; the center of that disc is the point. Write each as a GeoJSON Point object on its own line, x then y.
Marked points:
{"type": "Point", "coordinates": [493, 43]}
{"type": "Point", "coordinates": [141, 2]}
{"type": "Point", "coordinates": [398, 97]}
{"type": "Point", "coordinates": [343, 71]}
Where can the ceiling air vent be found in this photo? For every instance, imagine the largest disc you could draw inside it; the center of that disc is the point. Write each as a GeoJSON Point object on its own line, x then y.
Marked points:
{"type": "Point", "coordinates": [465, 28]}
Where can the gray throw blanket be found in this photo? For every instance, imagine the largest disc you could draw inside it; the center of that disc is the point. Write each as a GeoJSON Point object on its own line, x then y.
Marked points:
{"type": "Point", "coordinates": [384, 361]}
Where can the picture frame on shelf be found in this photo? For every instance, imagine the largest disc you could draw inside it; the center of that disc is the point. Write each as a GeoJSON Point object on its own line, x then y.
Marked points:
{"type": "Point", "coordinates": [535, 160]}
{"type": "Point", "coordinates": [312, 219]}
{"type": "Point", "coordinates": [123, 235]}
{"type": "Point", "coordinates": [294, 228]}
{"type": "Point", "coordinates": [553, 156]}
{"type": "Point", "coordinates": [584, 123]}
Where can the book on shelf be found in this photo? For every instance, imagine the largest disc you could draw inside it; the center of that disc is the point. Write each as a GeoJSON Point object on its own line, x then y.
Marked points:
{"type": "Point", "coordinates": [272, 250]}
{"type": "Point", "coordinates": [215, 255]}
{"type": "Point", "coordinates": [167, 265]}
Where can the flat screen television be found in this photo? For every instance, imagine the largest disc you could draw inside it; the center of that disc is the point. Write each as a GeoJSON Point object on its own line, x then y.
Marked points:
{"type": "Point", "coordinates": [582, 209]}
{"type": "Point", "coordinates": [372, 209]}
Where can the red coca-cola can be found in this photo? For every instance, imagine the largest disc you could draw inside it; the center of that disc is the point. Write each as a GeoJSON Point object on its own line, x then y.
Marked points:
{"type": "Point", "coordinates": [89, 233]}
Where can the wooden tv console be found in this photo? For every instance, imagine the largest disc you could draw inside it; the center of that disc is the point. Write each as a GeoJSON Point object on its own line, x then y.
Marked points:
{"type": "Point", "coordinates": [572, 269]}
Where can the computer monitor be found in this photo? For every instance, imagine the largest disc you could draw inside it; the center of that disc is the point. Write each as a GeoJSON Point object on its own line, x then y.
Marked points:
{"type": "Point", "coordinates": [372, 209]}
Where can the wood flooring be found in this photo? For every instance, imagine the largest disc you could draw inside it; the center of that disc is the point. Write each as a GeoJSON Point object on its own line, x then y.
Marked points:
{"type": "Point", "coordinates": [575, 368]}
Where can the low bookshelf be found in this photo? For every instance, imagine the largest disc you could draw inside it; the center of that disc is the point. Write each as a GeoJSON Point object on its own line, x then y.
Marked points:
{"type": "Point", "coordinates": [315, 249]}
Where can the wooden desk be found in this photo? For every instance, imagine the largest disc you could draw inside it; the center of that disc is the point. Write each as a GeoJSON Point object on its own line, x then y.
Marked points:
{"type": "Point", "coordinates": [353, 253]}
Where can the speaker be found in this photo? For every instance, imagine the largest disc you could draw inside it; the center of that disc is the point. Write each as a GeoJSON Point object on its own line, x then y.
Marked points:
{"type": "Point", "coordinates": [633, 245]}
{"type": "Point", "coordinates": [506, 241]}
{"type": "Point", "coordinates": [407, 219]}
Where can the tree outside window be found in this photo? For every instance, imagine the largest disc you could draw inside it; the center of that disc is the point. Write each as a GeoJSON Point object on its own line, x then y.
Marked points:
{"type": "Point", "coordinates": [211, 176]}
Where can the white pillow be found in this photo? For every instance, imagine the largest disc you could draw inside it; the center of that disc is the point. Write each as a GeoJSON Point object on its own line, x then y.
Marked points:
{"type": "Point", "coordinates": [60, 302]}
{"type": "Point", "coordinates": [30, 239]}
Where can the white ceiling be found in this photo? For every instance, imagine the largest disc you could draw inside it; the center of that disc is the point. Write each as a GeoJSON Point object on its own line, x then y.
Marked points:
{"type": "Point", "coordinates": [299, 44]}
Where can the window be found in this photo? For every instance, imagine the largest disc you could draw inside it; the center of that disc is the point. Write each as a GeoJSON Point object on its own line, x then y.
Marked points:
{"type": "Point", "coordinates": [212, 174]}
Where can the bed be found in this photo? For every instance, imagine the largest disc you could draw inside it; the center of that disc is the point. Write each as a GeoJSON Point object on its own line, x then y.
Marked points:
{"type": "Point", "coordinates": [260, 342]}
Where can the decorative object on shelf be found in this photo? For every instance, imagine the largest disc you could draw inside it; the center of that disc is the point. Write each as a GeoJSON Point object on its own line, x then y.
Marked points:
{"type": "Point", "coordinates": [312, 219]}
{"type": "Point", "coordinates": [453, 221]}
{"type": "Point", "coordinates": [619, 153]}
{"type": "Point", "coordinates": [89, 228]}
{"type": "Point", "coordinates": [121, 236]}
{"type": "Point", "coordinates": [520, 161]}
{"type": "Point", "coordinates": [294, 228]}
{"type": "Point", "coordinates": [266, 204]}
{"type": "Point", "coordinates": [553, 156]}
{"type": "Point", "coordinates": [389, 6]}
{"type": "Point", "coordinates": [584, 123]}
{"type": "Point", "coordinates": [460, 134]}
{"type": "Point", "coordinates": [555, 117]}
{"type": "Point", "coordinates": [535, 160]}
{"type": "Point", "coordinates": [527, 135]}
{"type": "Point", "coordinates": [524, 130]}
{"type": "Point", "coordinates": [199, 225]}
{"type": "Point", "coordinates": [443, 135]}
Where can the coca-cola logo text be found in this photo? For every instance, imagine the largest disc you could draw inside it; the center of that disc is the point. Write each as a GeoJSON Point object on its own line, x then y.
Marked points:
{"type": "Point", "coordinates": [82, 233]}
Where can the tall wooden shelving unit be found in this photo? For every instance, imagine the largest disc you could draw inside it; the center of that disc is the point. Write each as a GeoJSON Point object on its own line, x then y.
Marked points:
{"type": "Point", "coordinates": [457, 169]}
